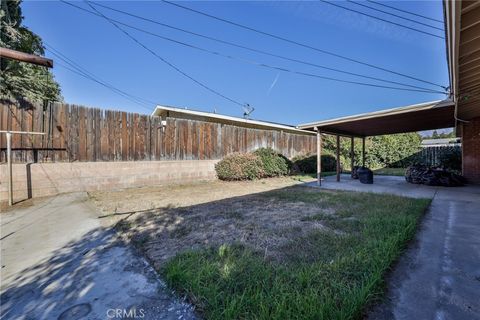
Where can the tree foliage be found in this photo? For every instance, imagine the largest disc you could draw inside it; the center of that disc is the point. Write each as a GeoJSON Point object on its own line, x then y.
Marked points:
{"type": "Point", "coordinates": [389, 149]}
{"type": "Point", "coordinates": [23, 80]}
{"type": "Point", "coordinates": [380, 151]}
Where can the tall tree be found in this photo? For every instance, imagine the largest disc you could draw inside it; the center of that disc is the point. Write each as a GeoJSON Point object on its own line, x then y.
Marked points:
{"type": "Point", "coordinates": [20, 80]}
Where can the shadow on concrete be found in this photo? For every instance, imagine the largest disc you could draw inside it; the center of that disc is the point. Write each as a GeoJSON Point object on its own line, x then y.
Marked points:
{"type": "Point", "coordinates": [87, 278]}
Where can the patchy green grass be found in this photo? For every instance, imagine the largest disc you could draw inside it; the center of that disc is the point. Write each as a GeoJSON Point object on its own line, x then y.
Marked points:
{"type": "Point", "coordinates": [309, 176]}
{"type": "Point", "coordinates": [332, 272]}
{"type": "Point", "coordinates": [390, 172]}
{"type": "Point", "coordinates": [318, 217]}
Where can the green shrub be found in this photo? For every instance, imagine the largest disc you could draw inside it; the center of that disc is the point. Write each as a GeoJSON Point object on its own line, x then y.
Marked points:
{"type": "Point", "coordinates": [240, 166]}
{"type": "Point", "coordinates": [396, 150]}
{"type": "Point", "coordinates": [308, 163]}
{"type": "Point", "coordinates": [274, 164]}
{"type": "Point", "coordinates": [393, 151]}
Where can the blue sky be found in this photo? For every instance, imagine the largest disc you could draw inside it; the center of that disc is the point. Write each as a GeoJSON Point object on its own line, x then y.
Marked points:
{"type": "Point", "coordinates": [277, 96]}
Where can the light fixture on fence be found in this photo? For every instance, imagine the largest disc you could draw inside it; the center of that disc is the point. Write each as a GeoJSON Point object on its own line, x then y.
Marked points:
{"type": "Point", "coordinates": [164, 125]}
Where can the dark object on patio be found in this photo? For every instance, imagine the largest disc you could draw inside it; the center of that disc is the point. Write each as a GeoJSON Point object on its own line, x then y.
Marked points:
{"type": "Point", "coordinates": [365, 175]}
{"type": "Point", "coordinates": [355, 172]}
{"type": "Point", "coordinates": [431, 176]}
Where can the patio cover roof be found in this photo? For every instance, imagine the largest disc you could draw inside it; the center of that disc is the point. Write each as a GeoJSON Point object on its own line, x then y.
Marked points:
{"type": "Point", "coordinates": [424, 116]}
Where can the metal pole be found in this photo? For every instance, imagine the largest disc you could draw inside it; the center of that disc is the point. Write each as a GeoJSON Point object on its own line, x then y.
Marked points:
{"type": "Point", "coordinates": [9, 164]}
{"type": "Point", "coordinates": [338, 158]}
{"type": "Point", "coordinates": [319, 157]}
{"type": "Point", "coordinates": [8, 135]}
{"type": "Point", "coordinates": [363, 151]}
{"type": "Point", "coordinates": [352, 154]}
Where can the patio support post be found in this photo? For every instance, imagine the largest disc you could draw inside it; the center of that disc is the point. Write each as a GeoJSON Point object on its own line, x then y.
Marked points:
{"type": "Point", "coordinates": [319, 157]}
{"type": "Point", "coordinates": [352, 154]}
{"type": "Point", "coordinates": [338, 158]}
{"type": "Point", "coordinates": [363, 151]}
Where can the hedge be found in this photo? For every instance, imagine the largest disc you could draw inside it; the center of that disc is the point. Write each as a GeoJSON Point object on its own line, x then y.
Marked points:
{"type": "Point", "coordinates": [262, 163]}
{"type": "Point", "coordinates": [274, 163]}
{"type": "Point", "coordinates": [308, 163]}
{"type": "Point", "coordinates": [240, 166]}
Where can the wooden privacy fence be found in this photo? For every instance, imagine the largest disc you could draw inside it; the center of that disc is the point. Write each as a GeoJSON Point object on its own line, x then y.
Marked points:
{"type": "Point", "coordinates": [76, 133]}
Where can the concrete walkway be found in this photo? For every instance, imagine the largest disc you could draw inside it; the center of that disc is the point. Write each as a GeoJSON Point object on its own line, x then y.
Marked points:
{"type": "Point", "coordinates": [438, 277]}
{"type": "Point", "coordinates": [58, 262]}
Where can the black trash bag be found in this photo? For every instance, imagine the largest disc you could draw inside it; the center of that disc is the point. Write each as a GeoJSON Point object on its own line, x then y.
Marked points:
{"type": "Point", "coordinates": [365, 175]}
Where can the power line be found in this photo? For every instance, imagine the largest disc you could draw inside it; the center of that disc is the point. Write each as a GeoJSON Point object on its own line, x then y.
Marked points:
{"type": "Point", "coordinates": [405, 11]}
{"type": "Point", "coordinates": [300, 44]}
{"type": "Point", "coordinates": [89, 74]}
{"type": "Point", "coordinates": [249, 61]}
{"type": "Point", "coordinates": [422, 89]}
{"type": "Point", "coordinates": [243, 47]}
{"type": "Point", "coordinates": [76, 68]}
{"type": "Point", "coordinates": [162, 59]}
{"type": "Point", "coordinates": [381, 19]}
{"type": "Point", "coordinates": [102, 84]}
{"type": "Point", "coordinates": [252, 49]}
{"type": "Point", "coordinates": [85, 73]}
{"type": "Point", "coordinates": [395, 15]}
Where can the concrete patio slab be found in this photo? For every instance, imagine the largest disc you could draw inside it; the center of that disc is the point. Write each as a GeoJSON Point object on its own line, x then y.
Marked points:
{"type": "Point", "coordinates": [58, 262]}
{"type": "Point", "coordinates": [438, 277]}
{"type": "Point", "coordinates": [382, 184]}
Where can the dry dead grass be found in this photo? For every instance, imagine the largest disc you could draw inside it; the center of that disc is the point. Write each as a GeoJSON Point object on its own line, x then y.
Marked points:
{"type": "Point", "coordinates": [165, 221]}
{"type": "Point", "coordinates": [179, 195]}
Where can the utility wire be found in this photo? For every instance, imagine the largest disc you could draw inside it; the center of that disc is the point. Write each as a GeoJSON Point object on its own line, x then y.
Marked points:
{"type": "Point", "coordinates": [162, 59]}
{"type": "Point", "coordinates": [300, 44]}
{"type": "Point", "coordinates": [76, 68]}
{"type": "Point", "coordinates": [241, 46]}
{"type": "Point", "coordinates": [394, 15]}
{"type": "Point", "coordinates": [253, 49]}
{"type": "Point", "coordinates": [81, 69]}
{"type": "Point", "coordinates": [417, 89]}
{"type": "Point", "coordinates": [249, 61]}
{"type": "Point", "coordinates": [405, 11]}
{"type": "Point", "coordinates": [102, 84]}
{"type": "Point", "coordinates": [142, 102]}
{"type": "Point", "coordinates": [381, 19]}
{"type": "Point", "coordinates": [262, 64]}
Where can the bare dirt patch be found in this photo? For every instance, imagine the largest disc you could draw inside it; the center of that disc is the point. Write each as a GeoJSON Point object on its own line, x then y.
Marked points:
{"type": "Point", "coordinates": [164, 221]}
